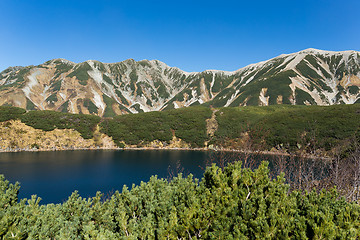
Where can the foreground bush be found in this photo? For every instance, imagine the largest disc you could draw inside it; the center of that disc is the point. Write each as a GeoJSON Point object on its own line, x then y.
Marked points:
{"type": "Point", "coordinates": [229, 203]}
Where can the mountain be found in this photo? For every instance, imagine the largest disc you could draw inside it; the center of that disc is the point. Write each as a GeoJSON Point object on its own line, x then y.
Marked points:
{"type": "Point", "coordinates": [308, 77]}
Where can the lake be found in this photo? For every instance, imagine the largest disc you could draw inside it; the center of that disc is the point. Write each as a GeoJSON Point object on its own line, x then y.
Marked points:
{"type": "Point", "coordinates": [53, 176]}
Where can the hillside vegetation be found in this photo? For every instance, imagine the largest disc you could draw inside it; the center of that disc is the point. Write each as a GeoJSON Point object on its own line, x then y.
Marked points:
{"type": "Point", "coordinates": [49, 130]}
{"type": "Point", "coordinates": [50, 120]}
{"type": "Point", "coordinates": [188, 124]}
{"type": "Point", "coordinates": [286, 128]}
{"type": "Point", "coordinates": [229, 203]}
{"type": "Point", "coordinates": [291, 128]}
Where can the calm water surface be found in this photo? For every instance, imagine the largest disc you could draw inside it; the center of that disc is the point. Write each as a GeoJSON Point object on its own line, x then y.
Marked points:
{"type": "Point", "coordinates": [53, 176]}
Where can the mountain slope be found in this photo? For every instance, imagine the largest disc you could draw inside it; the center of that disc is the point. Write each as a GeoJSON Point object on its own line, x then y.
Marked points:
{"type": "Point", "coordinates": [311, 77]}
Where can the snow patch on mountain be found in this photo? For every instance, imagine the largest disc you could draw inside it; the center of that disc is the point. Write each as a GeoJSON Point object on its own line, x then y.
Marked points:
{"type": "Point", "coordinates": [301, 83]}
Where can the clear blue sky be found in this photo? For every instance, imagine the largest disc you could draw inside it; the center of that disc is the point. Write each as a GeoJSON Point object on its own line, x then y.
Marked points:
{"type": "Point", "coordinates": [193, 35]}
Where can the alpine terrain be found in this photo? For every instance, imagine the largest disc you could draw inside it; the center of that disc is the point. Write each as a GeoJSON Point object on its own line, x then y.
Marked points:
{"type": "Point", "coordinates": [308, 77]}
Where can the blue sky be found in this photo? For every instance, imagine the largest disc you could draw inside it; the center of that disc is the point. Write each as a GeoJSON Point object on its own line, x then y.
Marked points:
{"type": "Point", "coordinates": [192, 35]}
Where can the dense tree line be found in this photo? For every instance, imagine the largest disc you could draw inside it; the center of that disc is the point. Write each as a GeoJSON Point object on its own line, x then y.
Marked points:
{"type": "Point", "coordinates": [227, 203]}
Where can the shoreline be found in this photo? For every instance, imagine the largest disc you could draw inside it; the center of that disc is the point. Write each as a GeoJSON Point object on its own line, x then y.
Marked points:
{"type": "Point", "coordinates": [175, 149]}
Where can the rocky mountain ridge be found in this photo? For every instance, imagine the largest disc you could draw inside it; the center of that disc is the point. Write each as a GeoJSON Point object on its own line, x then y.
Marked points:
{"type": "Point", "coordinates": [308, 77]}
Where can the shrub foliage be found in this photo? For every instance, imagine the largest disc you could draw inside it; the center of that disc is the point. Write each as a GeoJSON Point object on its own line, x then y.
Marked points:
{"type": "Point", "coordinates": [10, 113]}
{"type": "Point", "coordinates": [49, 120]}
{"type": "Point", "coordinates": [291, 128]}
{"type": "Point", "coordinates": [189, 124]}
{"type": "Point", "coordinates": [228, 203]}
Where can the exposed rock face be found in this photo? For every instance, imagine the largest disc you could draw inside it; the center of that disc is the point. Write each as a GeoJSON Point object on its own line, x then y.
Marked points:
{"type": "Point", "coordinates": [16, 136]}
{"type": "Point", "coordinates": [175, 143]}
{"type": "Point", "coordinates": [311, 77]}
{"type": "Point", "coordinates": [211, 124]}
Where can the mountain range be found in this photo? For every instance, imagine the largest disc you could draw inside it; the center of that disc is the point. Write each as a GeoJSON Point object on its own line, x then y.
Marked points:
{"type": "Point", "coordinates": [308, 77]}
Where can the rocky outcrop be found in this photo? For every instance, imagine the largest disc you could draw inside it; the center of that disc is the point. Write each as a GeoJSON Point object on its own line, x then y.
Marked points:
{"type": "Point", "coordinates": [16, 136]}
{"type": "Point", "coordinates": [308, 77]}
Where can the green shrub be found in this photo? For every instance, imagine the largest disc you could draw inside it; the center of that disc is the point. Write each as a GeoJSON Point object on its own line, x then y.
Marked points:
{"type": "Point", "coordinates": [10, 113]}
{"type": "Point", "coordinates": [313, 126]}
{"type": "Point", "coordinates": [49, 120]}
{"type": "Point", "coordinates": [229, 203]}
{"type": "Point", "coordinates": [188, 124]}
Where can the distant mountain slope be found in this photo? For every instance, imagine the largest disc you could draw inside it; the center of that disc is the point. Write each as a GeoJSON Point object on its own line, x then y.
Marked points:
{"type": "Point", "coordinates": [311, 77]}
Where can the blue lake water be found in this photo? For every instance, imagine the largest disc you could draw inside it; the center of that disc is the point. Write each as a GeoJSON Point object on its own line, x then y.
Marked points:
{"type": "Point", "coordinates": [53, 176]}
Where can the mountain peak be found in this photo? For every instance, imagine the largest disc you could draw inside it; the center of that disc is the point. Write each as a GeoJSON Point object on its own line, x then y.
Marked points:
{"type": "Point", "coordinates": [313, 50]}
{"type": "Point", "coordinates": [310, 76]}
{"type": "Point", "coordinates": [60, 60]}
{"type": "Point", "coordinates": [327, 52]}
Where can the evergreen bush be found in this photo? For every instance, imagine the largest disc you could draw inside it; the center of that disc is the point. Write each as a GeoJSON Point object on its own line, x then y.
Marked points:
{"type": "Point", "coordinates": [229, 203]}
